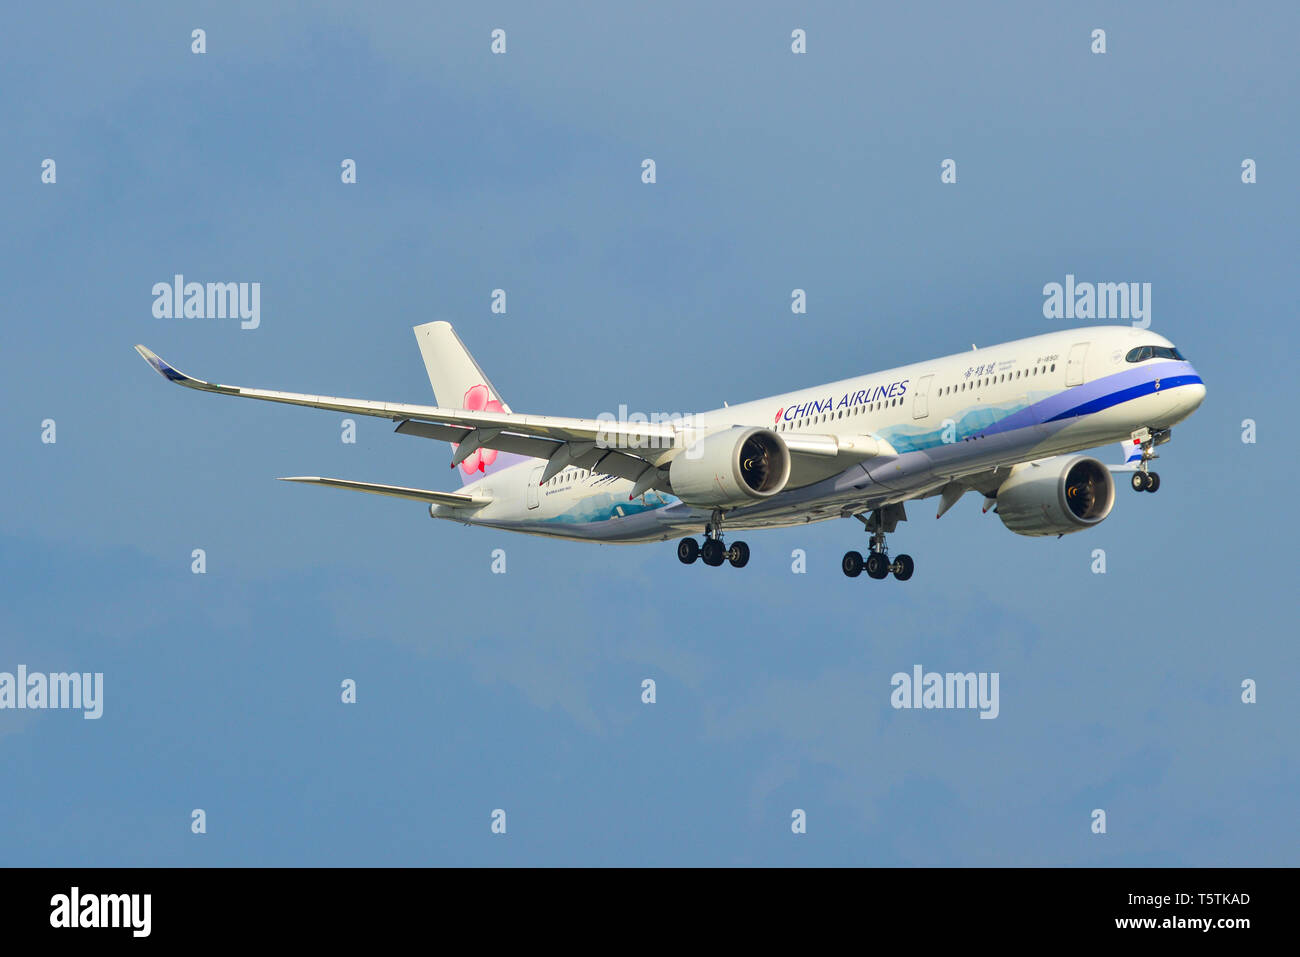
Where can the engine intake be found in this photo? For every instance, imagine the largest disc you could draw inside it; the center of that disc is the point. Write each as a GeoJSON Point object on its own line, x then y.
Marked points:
{"type": "Point", "coordinates": [1056, 496]}
{"type": "Point", "coordinates": [734, 467]}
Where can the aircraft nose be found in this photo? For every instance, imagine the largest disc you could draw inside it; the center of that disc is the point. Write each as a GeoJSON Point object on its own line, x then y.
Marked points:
{"type": "Point", "coordinates": [1190, 396]}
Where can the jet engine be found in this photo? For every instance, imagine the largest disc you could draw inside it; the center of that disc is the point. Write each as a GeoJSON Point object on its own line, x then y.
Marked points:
{"type": "Point", "coordinates": [1055, 496]}
{"type": "Point", "coordinates": [735, 467]}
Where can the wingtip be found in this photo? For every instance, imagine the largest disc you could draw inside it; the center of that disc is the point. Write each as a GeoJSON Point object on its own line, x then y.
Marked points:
{"type": "Point", "coordinates": [163, 368]}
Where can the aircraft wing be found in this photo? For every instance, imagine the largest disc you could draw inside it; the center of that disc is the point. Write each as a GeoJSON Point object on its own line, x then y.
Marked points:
{"type": "Point", "coordinates": [638, 452]}
{"type": "Point", "coordinates": [631, 451]}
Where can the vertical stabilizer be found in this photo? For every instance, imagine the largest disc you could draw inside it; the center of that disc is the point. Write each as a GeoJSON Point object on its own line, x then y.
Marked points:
{"type": "Point", "coordinates": [459, 383]}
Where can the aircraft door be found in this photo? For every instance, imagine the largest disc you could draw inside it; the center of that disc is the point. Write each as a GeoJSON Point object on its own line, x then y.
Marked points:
{"type": "Point", "coordinates": [921, 402]}
{"type": "Point", "coordinates": [531, 488]}
{"type": "Point", "coordinates": [1074, 366]}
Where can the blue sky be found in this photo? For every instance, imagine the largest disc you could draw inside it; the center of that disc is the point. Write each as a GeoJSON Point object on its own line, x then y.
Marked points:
{"type": "Point", "coordinates": [522, 691]}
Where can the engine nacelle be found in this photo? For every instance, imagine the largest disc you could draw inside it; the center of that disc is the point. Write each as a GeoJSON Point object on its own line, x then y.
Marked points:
{"type": "Point", "coordinates": [1056, 496]}
{"type": "Point", "coordinates": [735, 467]}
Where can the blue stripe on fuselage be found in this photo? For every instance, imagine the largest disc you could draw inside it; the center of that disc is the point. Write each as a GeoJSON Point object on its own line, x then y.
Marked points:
{"type": "Point", "coordinates": [1126, 395]}
{"type": "Point", "coordinates": [1071, 402]}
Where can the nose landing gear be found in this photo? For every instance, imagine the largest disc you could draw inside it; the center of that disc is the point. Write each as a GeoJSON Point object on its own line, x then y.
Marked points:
{"type": "Point", "coordinates": [1146, 481]}
{"type": "Point", "coordinates": [1143, 479]}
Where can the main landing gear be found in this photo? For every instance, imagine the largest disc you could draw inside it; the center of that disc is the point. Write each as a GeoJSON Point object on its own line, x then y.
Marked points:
{"type": "Point", "coordinates": [713, 551]}
{"type": "Point", "coordinates": [877, 563]}
{"type": "Point", "coordinates": [1143, 479]}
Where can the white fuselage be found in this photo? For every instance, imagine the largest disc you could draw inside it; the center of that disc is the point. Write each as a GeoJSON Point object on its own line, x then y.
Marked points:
{"type": "Point", "coordinates": [945, 418]}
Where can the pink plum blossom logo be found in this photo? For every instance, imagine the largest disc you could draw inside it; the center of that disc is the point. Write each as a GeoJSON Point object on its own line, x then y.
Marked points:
{"type": "Point", "coordinates": [778, 415]}
{"type": "Point", "coordinates": [479, 399]}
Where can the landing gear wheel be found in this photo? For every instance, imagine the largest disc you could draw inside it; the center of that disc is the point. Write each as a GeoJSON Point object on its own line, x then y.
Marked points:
{"type": "Point", "coordinates": [1141, 481]}
{"type": "Point", "coordinates": [877, 565]}
{"type": "Point", "coordinates": [688, 549]}
{"type": "Point", "coordinates": [852, 564]}
{"type": "Point", "coordinates": [714, 552]}
{"type": "Point", "coordinates": [1153, 482]}
{"type": "Point", "coordinates": [903, 566]}
{"type": "Point", "coordinates": [738, 554]}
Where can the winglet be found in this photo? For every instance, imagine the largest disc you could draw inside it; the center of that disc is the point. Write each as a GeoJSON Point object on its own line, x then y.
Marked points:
{"type": "Point", "coordinates": [162, 368]}
{"type": "Point", "coordinates": [173, 374]}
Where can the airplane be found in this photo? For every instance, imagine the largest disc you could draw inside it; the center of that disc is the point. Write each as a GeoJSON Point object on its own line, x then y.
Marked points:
{"type": "Point", "coordinates": [1006, 421]}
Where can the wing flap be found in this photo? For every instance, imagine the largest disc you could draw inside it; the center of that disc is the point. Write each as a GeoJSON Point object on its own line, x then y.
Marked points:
{"type": "Point", "coordinates": [504, 442]}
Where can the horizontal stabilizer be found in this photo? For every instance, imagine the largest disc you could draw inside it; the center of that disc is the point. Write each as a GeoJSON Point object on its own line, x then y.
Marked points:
{"type": "Point", "coordinates": [452, 499]}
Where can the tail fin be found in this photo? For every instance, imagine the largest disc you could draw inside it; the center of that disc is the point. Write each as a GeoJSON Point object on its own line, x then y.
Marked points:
{"type": "Point", "coordinates": [459, 383]}
{"type": "Point", "coordinates": [453, 373]}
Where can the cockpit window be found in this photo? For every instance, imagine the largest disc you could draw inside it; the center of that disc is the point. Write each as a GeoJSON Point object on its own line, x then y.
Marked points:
{"type": "Point", "coordinates": [1143, 353]}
